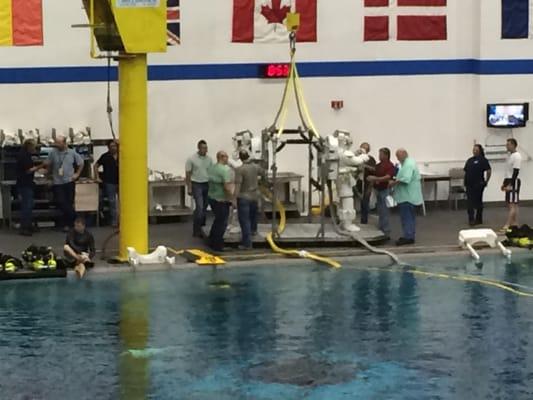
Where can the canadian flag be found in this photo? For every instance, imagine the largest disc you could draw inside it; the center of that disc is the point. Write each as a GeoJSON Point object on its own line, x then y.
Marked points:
{"type": "Point", "coordinates": [263, 20]}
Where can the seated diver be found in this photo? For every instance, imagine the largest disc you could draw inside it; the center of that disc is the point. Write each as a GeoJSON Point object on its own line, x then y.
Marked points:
{"type": "Point", "coordinates": [79, 248]}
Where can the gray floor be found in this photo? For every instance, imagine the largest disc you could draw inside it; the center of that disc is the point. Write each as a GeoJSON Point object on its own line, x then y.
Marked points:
{"type": "Point", "coordinates": [436, 231]}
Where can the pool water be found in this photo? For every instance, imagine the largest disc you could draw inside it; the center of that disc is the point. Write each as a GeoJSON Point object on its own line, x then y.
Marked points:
{"type": "Point", "coordinates": [278, 332]}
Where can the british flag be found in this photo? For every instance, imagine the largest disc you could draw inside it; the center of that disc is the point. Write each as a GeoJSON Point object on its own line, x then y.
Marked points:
{"type": "Point", "coordinates": [173, 22]}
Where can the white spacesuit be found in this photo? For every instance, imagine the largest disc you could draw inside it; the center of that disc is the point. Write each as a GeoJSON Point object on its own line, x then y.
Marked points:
{"type": "Point", "coordinates": [345, 166]}
{"type": "Point", "coordinates": [245, 140]}
{"type": "Point", "coordinates": [10, 139]}
{"type": "Point", "coordinates": [81, 137]}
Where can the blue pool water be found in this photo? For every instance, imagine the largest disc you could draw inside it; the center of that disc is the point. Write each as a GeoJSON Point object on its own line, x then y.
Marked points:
{"type": "Point", "coordinates": [292, 332]}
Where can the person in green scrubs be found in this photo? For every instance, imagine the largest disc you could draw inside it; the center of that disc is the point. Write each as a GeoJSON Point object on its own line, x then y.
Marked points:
{"type": "Point", "coordinates": [408, 194]}
{"type": "Point", "coordinates": [220, 198]}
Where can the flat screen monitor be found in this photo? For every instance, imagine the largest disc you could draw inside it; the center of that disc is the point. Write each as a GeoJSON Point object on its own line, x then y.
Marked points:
{"type": "Point", "coordinates": [510, 115]}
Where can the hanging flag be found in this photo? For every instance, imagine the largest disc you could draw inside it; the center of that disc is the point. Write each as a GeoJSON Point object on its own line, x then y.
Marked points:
{"type": "Point", "coordinates": [421, 3]}
{"type": "Point", "coordinates": [515, 19]}
{"type": "Point", "coordinates": [390, 20]}
{"type": "Point", "coordinates": [173, 22]}
{"type": "Point", "coordinates": [21, 23]}
{"type": "Point", "coordinates": [263, 20]}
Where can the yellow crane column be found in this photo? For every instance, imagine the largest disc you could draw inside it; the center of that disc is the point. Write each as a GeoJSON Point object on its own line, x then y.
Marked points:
{"type": "Point", "coordinates": [128, 30]}
{"type": "Point", "coordinates": [133, 161]}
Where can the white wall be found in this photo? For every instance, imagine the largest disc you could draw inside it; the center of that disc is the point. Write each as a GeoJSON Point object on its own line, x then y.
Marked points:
{"type": "Point", "coordinates": [436, 117]}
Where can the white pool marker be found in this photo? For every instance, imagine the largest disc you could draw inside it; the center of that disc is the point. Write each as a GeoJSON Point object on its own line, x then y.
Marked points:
{"type": "Point", "coordinates": [470, 237]}
{"type": "Point", "coordinates": [158, 256]}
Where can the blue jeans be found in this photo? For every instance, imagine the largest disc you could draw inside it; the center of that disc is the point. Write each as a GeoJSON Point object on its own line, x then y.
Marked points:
{"type": "Point", "coordinates": [218, 229]}
{"type": "Point", "coordinates": [199, 194]}
{"type": "Point", "coordinates": [111, 192]}
{"type": "Point", "coordinates": [247, 211]}
{"type": "Point", "coordinates": [383, 211]}
{"type": "Point", "coordinates": [64, 196]}
{"type": "Point", "coordinates": [408, 218]}
{"type": "Point", "coordinates": [26, 206]}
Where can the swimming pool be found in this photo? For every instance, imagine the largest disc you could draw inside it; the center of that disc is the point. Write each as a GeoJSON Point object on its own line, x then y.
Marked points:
{"type": "Point", "coordinates": [271, 332]}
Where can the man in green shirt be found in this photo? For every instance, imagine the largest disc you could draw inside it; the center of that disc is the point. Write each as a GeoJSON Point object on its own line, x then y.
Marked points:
{"type": "Point", "coordinates": [220, 196]}
{"type": "Point", "coordinates": [408, 194]}
{"type": "Point", "coordinates": [197, 184]}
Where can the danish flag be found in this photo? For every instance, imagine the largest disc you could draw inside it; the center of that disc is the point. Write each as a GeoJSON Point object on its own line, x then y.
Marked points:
{"type": "Point", "coordinates": [405, 20]}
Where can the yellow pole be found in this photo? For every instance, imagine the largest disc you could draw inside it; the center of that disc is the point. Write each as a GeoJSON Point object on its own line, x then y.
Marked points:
{"type": "Point", "coordinates": [133, 120]}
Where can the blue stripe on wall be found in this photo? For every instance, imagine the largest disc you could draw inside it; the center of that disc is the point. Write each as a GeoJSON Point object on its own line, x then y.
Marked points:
{"type": "Point", "coordinates": [253, 70]}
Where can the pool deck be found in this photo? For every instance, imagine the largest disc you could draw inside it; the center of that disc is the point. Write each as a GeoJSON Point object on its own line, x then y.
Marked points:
{"type": "Point", "coordinates": [436, 233]}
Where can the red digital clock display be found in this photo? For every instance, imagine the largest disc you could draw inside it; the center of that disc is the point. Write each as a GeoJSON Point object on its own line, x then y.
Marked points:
{"type": "Point", "coordinates": [276, 70]}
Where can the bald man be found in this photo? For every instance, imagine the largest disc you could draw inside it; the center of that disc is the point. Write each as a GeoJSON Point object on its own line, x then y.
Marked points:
{"type": "Point", "coordinates": [65, 166]}
{"type": "Point", "coordinates": [408, 194]}
{"type": "Point", "coordinates": [220, 197]}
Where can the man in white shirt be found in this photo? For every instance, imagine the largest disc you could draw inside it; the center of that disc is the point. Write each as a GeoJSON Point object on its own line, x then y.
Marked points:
{"type": "Point", "coordinates": [511, 183]}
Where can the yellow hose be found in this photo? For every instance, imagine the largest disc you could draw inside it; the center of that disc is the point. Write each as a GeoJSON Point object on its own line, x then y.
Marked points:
{"type": "Point", "coordinates": [335, 264]}
{"type": "Point", "coordinates": [281, 227]}
{"type": "Point", "coordinates": [461, 278]}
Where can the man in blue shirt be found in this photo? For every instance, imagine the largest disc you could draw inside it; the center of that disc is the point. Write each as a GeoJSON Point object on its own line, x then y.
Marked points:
{"type": "Point", "coordinates": [408, 194]}
{"type": "Point", "coordinates": [65, 166]}
{"type": "Point", "coordinates": [477, 176]}
{"type": "Point", "coordinates": [109, 178]}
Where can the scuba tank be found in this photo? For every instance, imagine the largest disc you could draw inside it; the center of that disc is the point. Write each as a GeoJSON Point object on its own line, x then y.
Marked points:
{"type": "Point", "coordinates": [40, 258]}
{"type": "Point", "coordinates": [520, 236]}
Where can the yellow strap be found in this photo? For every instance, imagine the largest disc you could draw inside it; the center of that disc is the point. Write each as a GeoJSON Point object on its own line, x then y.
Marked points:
{"type": "Point", "coordinates": [285, 101]}
{"type": "Point", "coordinates": [303, 103]}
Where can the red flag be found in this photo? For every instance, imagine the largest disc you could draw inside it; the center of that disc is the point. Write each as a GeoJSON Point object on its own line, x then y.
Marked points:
{"type": "Point", "coordinates": [422, 3]}
{"type": "Point", "coordinates": [27, 22]}
{"type": "Point", "coordinates": [376, 3]}
{"type": "Point", "coordinates": [263, 21]}
{"type": "Point", "coordinates": [376, 28]}
{"type": "Point", "coordinates": [421, 27]}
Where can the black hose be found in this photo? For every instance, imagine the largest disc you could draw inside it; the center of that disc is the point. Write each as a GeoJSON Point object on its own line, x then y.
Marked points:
{"type": "Point", "coordinates": [109, 106]}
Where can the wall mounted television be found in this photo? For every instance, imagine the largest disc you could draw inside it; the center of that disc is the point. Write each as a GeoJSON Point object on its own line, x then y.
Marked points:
{"type": "Point", "coordinates": [507, 115]}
